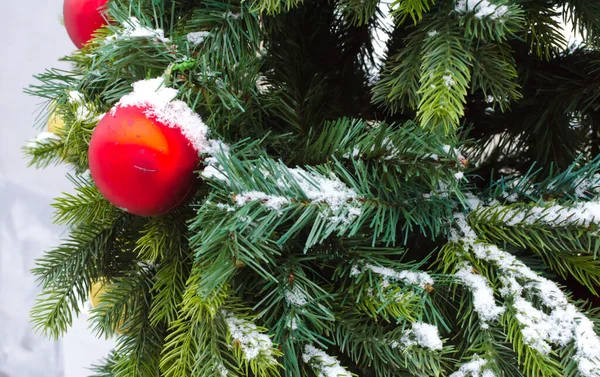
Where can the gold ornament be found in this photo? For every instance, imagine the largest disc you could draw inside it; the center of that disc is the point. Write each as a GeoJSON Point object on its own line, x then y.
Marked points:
{"type": "Point", "coordinates": [98, 289]}
{"type": "Point", "coordinates": [55, 122]}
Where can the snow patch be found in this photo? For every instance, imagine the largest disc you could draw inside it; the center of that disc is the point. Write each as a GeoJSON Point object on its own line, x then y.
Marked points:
{"type": "Point", "coordinates": [341, 201]}
{"type": "Point", "coordinates": [323, 364]}
{"type": "Point", "coordinates": [253, 343]}
{"type": "Point", "coordinates": [273, 202]}
{"type": "Point", "coordinates": [581, 214]}
{"type": "Point", "coordinates": [448, 80]}
{"type": "Point", "coordinates": [483, 296]}
{"type": "Point", "coordinates": [561, 324]}
{"type": "Point", "coordinates": [134, 29]}
{"type": "Point", "coordinates": [41, 138]}
{"type": "Point", "coordinates": [418, 278]}
{"type": "Point", "coordinates": [474, 368]}
{"type": "Point", "coordinates": [197, 37]}
{"type": "Point", "coordinates": [296, 297]}
{"type": "Point", "coordinates": [162, 106]}
{"type": "Point", "coordinates": [83, 111]}
{"type": "Point", "coordinates": [481, 8]}
{"type": "Point", "coordinates": [423, 335]}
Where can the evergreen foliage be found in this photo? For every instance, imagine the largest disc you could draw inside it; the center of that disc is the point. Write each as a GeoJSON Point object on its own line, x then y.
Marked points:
{"type": "Point", "coordinates": [433, 213]}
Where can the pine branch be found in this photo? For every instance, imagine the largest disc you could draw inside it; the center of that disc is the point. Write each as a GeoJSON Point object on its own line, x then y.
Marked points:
{"type": "Point", "coordinates": [66, 273]}
{"type": "Point", "coordinates": [189, 347]}
{"type": "Point", "coordinates": [87, 205]}
{"type": "Point", "coordinates": [445, 75]}
{"type": "Point", "coordinates": [272, 7]}
{"type": "Point", "coordinates": [398, 88]}
{"type": "Point", "coordinates": [505, 21]}
{"type": "Point", "coordinates": [495, 74]}
{"type": "Point", "coordinates": [169, 285]}
{"type": "Point", "coordinates": [402, 9]}
{"type": "Point", "coordinates": [358, 12]}
{"type": "Point", "coordinates": [382, 348]}
{"type": "Point", "coordinates": [562, 241]}
{"type": "Point", "coordinates": [141, 343]}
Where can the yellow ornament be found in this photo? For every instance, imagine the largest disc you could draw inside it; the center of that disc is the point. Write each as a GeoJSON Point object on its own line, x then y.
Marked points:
{"type": "Point", "coordinates": [98, 289]}
{"type": "Point", "coordinates": [55, 122]}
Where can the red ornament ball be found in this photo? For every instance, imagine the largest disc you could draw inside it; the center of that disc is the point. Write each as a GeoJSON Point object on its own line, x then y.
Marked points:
{"type": "Point", "coordinates": [141, 164]}
{"type": "Point", "coordinates": [82, 18]}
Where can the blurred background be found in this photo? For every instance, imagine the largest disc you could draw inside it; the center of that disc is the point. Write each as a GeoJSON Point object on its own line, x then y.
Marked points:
{"type": "Point", "coordinates": [34, 41]}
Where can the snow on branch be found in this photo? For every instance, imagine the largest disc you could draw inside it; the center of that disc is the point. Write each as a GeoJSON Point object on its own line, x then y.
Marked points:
{"type": "Point", "coordinates": [580, 214]}
{"type": "Point", "coordinates": [323, 364]}
{"type": "Point", "coordinates": [134, 29]}
{"type": "Point", "coordinates": [481, 8]}
{"type": "Point", "coordinates": [483, 296]}
{"type": "Point", "coordinates": [253, 342]}
{"type": "Point", "coordinates": [296, 297]}
{"type": "Point", "coordinates": [421, 334]}
{"type": "Point", "coordinates": [42, 138]}
{"type": "Point", "coordinates": [85, 112]}
{"type": "Point", "coordinates": [197, 37]}
{"type": "Point", "coordinates": [418, 278]}
{"type": "Point", "coordinates": [560, 325]}
{"type": "Point", "coordinates": [587, 184]}
{"type": "Point", "coordinates": [342, 202]}
{"type": "Point", "coordinates": [474, 368]}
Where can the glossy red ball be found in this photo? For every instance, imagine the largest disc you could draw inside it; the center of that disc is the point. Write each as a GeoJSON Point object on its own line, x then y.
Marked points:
{"type": "Point", "coordinates": [140, 164]}
{"type": "Point", "coordinates": [82, 18]}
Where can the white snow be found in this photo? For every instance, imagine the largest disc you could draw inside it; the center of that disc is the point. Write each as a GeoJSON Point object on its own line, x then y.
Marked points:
{"type": "Point", "coordinates": [459, 175]}
{"type": "Point", "coordinates": [448, 80]}
{"type": "Point", "coordinates": [84, 111]}
{"type": "Point", "coordinates": [432, 156]}
{"type": "Point", "coordinates": [319, 189]}
{"type": "Point", "coordinates": [483, 296]}
{"type": "Point", "coordinates": [273, 202]}
{"type": "Point", "coordinates": [481, 8]}
{"type": "Point", "coordinates": [253, 343]}
{"type": "Point", "coordinates": [423, 335]}
{"type": "Point", "coordinates": [235, 16]}
{"type": "Point", "coordinates": [342, 203]}
{"type": "Point", "coordinates": [161, 105]}
{"type": "Point", "coordinates": [473, 201]}
{"type": "Point", "coordinates": [432, 33]}
{"type": "Point", "coordinates": [225, 207]}
{"type": "Point", "coordinates": [134, 29]}
{"type": "Point", "coordinates": [419, 278]}
{"type": "Point", "coordinates": [590, 184]}
{"type": "Point", "coordinates": [222, 370]}
{"type": "Point", "coordinates": [581, 214]}
{"type": "Point", "coordinates": [197, 37]}
{"type": "Point", "coordinates": [562, 325]}
{"type": "Point", "coordinates": [295, 297]}
{"type": "Point", "coordinates": [211, 172]}
{"type": "Point", "coordinates": [474, 369]}
{"type": "Point", "coordinates": [355, 153]}
{"type": "Point", "coordinates": [323, 364]}
{"type": "Point", "coordinates": [41, 138]}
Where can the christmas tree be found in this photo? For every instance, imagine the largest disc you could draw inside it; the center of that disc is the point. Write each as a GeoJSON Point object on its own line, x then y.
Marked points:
{"type": "Point", "coordinates": [258, 193]}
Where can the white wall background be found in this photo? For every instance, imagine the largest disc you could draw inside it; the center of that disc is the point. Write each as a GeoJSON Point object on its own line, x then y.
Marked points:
{"type": "Point", "coordinates": [33, 40]}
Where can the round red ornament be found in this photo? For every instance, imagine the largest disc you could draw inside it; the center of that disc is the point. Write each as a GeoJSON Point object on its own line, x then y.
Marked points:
{"type": "Point", "coordinates": [141, 164]}
{"type": "Point", "coordinates": [82, 18]}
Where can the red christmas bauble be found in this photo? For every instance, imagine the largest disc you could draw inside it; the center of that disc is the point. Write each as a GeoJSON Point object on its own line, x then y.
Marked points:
{"type": "Point", "coordinates": [82, 18]}
{"type": "Point", "coordinates": [140, 164]}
